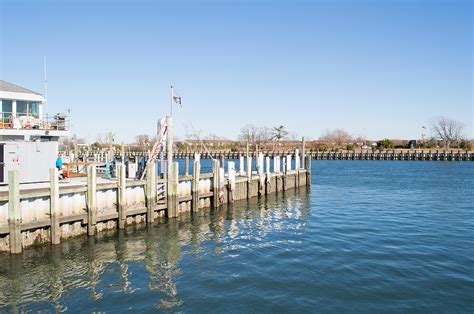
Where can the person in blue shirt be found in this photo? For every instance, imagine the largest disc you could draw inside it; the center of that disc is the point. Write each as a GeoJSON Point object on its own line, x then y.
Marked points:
{"type": "Point", "coordinates": [59, 162]}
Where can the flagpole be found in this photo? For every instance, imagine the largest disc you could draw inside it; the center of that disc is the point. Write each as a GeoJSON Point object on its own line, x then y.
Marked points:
{"type": "Point", "coordinates": [171, 101]}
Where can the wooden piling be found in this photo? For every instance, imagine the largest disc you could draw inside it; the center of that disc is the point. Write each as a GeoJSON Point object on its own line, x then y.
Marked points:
{"type": "Point", "coordinates": [222, 160]}
{"type": "Point", "coordinates": [283, 177]}
{"type": "Point", "coordinates": [14, 211]}
{"type": "Point", "coordinates": [231, 177]}
{"type": "Point", "coordinates": [308, 171]}
{"type": "Point", "coordinates": [195, 186]}
{"type": "Point", "coordinates": [186, 166]}
{"type": "Point", "coordinates": [54, 205]}
{"type": "Point", "coordinates": [91, 199]}
{"type": "Point", "coordinates": [303, 153]}
{"type": "Point", "coordinates": [215, 184]}
{"type": "Point", "coordinates": [121, 195]}
{"type": "Point", "coordinates": [150, 191]}
{"type": "Point", "coordinates": [173, 191]}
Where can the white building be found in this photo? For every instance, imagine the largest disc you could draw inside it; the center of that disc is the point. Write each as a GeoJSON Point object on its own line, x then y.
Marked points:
{"type": "Point", "coordinates": [28, 139]}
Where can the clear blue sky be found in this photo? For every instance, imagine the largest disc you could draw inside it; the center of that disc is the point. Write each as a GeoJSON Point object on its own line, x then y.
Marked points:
{"type": "Point", "coordinates": [375, 68]}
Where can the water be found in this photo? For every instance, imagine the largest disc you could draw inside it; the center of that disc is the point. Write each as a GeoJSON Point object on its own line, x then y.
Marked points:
{"type": "Point", "coordinates": [370, 236]}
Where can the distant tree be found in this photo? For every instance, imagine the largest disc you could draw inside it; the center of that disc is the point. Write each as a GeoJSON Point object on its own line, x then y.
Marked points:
{"type": "Point", "coordinates": [447, 130]}
{"type": "Point", "coordinates": [337, 137]}
{"type": "Point", "coordinates": [385, 143]}
{"type": "Point", "coordinates": [96, 145]}
{"type": "Point", "coordinates": [253, 134]}
{"type": "Point", "coordinates": [279, 133]}
{"type": "Point", "coordinates": [143, 140]}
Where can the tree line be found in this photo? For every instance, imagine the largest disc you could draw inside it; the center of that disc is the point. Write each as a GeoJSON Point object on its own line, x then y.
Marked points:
{"type": "Point", "coordinates": [442, 132]}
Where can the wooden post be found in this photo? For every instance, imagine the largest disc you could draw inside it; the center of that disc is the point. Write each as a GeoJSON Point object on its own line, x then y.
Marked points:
{"type": "Point", "coordinates": [195, 185]}
{"type": "Point", "coordinates": [14, 211]}
{"type": "Point", "coordinates": [76, 151]}
{"type": "Point", "coordinates": [283, 177]}
{"type": "Point", "coordinates": [173, 190]}
{"type": "Point", "coordinates": [261, 178]}
{"type": "Point", "coordinates": [54, 205]}
{"type": "Point", "coordinates": [303, 153]}
{"type": "Point", "coordinates": [222, 160]}
{"type": "Point", "coordinates": [297, 168]}
{"type": "Point", "coordinates": [267, 176]}
{"type": "Point", "coordinates": [169, 143]}
{"type": "Point", "coordinates": [308, 171]}
{"type": "Point", "coordinates": [247, 151]}
{"type": "Point", "coordinates": [186, 166]}
{"type": "Point", "coordinates": [249, 167]}
{"type": "Point", "coordinates": [241, 166]}
{"type": "Point", "coordinates": [150, 191]}
{"type": "Point", "coordinates": [91, 199]}
{"type": "Point", "coordinates": [121, 195]}
{"type": "Point", "coordinates": [215, 171]}
{"type": "Point", "coordinates": [111, 151]}
{"type": "Point", "coordinates": [231, 172]}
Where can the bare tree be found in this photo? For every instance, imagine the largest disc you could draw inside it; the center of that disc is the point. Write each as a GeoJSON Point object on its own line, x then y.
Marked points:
{"type": "Point", "coordinates": [447, 130]}
{"type": "Point", "coordinates": [144, 141]}
{"type": "Point", "coordinates": [336, 137]}
{"type": "Point", "coordinates": [253, 134]}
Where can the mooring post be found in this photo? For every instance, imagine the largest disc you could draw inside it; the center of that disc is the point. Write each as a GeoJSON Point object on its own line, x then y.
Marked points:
{"type": "Point", "coordinates": [261, 178]}
{"type": "Point", "coordinates": [241, 166]}
{"type": "Point", "coordinates": [283, 177]}
{"type": "Point", "coordinates": [303, 153]}
{"type": "Point", "coordinates": [91, 199]}
{"type": "Point", "coordinates": [222, 160]}
{"type": "Point", "coordinates": [121, 195]}
{"type": "Point", "coordinates": [111, 151]}
{"type": "Point", "coordinates": [173, 182]}
{"type": "Point", "coordinates": [267, 176]}
{"type": "Point", "coordinates": [14, 211]}
{"type": "Point", "coordinates": [150, 191]}
{"type": "Point", "coordinates": [308, 171]}
{"type": "Point", "coordinates": [215, 183]}
{"type": "Point", "coordinates": [297, 168]}
{"type": "Point", "coordinates": [231, 173]}
{"type": "Point", "coordinates": [195, 186]}
{"type": "Point", "coordinates": [54, 205]}
{"type": "Point", "coordinates": [186, 166]}
{"type": "Point", "coordinates": [249, 167]}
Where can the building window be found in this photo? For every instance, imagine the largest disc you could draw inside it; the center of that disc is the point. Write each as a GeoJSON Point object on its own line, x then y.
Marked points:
{"type": "Point", "coordinates": [21, 108]}
{"type": "Point", "coordinates": [33, 109]}
{"type": "Point", "coordinates": [6, 110]}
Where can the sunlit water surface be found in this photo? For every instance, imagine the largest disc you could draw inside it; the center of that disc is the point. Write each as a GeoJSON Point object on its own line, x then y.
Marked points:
{"type": "Point", "coordinates": [369, 236]}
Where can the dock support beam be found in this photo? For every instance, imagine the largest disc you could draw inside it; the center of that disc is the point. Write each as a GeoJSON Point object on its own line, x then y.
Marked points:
{"type": "Point", "coordinates": [173, 190]}
{"type": "Point", "coordinates": [121, 196]}
{"type": "Point", "coordinates": [195, 186]}
{"type": "Point", "coordinates": [150, 191]}
{"type": "Point", "coordinates": [91, 199]}
{"type": "Point", "coordinates": [14, 211]}
{"type": "Point", "coordinates": [54, 205]}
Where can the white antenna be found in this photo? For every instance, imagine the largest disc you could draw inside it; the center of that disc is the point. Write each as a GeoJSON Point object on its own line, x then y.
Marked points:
{"type": "Point", "coordinates": [45, 82]}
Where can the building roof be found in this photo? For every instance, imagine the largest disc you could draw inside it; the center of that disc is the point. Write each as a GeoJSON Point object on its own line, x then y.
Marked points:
{"type": "Point", "coordinates": [9, 87]}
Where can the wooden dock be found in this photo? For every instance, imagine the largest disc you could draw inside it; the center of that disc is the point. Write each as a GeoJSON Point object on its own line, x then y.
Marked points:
{"type": "Point", "coordinates": [420, 155]}
{"type": "Point", "coordinates": [51, 212]}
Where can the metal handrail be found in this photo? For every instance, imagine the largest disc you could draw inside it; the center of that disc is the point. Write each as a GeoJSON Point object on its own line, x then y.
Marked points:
{"type": "Point", "coordinates": [29, 121]}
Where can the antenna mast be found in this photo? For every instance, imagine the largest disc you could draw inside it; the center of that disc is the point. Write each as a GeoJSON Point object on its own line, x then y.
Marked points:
{"type": "Point", "coordinates": [45, 82]}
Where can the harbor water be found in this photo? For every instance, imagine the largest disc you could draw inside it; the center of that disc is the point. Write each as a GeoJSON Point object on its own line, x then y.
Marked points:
{"type": "Point", "coordinates": [368, 236]}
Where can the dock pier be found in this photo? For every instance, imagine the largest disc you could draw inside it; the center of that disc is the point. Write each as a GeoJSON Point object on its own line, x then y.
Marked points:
{"type": "Point", "coordinates": [50, 212]}
{"type": "Point", "coordinates": [420, 155]}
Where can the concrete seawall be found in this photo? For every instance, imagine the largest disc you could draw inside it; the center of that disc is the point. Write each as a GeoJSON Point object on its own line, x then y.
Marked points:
{"type": "Point", "coordinates": [52, 212]}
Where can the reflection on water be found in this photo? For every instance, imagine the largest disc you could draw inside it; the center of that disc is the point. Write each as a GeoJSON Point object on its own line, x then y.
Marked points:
{"type": "Point", "coordinates": [140, 268]}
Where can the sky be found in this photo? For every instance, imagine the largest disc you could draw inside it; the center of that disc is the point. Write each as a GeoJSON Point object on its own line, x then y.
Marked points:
{"type": "Point", "coordinates": [378, 69]}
